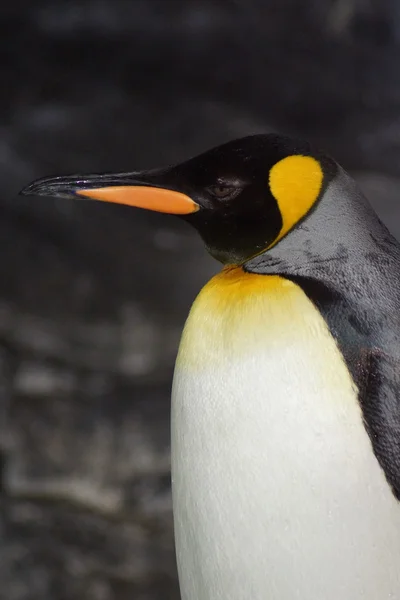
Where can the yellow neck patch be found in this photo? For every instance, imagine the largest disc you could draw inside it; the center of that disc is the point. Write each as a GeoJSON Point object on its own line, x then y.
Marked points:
{"type": "Point", "coordinates": [237, 312]}
{"type": "Point", "coordinates": [295, 182]}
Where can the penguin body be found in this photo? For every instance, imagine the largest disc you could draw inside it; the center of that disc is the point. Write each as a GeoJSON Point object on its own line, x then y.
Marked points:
{"type": "Point", "coordinates": [286, 395]}
{"type": "Point", "coordinates": [273, 473]}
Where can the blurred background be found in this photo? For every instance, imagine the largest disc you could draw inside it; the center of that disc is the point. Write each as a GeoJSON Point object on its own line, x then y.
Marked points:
{"type": "Point", "coordinates": [93, 297]}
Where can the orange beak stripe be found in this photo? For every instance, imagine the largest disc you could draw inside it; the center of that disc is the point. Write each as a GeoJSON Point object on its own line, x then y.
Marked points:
{"type": "Point", "coordinates": [151, 198]}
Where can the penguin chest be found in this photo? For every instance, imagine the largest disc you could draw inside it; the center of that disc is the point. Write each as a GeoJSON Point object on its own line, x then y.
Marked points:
{"type": "Point", "coordinates": [277, 493]}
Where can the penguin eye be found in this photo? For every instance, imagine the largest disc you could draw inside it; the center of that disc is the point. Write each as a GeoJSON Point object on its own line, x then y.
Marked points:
{"type": "Point", "coordinates": [223, 192]}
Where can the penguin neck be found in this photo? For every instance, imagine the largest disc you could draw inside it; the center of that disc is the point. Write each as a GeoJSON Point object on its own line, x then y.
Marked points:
{"type": "Point", "coordinates": [343, 246]}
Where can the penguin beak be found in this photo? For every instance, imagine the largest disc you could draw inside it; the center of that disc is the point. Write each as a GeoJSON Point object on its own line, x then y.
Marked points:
{"type": "Point", "coordinates": [139, 189]}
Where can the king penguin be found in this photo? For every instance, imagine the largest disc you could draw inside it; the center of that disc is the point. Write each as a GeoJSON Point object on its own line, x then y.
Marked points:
{"type": "Point", "coordinates": [285, 418]}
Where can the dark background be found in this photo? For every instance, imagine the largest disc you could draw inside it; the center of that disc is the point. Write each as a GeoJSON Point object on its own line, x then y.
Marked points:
{"type": "Point", "coordinates": [93, 297]}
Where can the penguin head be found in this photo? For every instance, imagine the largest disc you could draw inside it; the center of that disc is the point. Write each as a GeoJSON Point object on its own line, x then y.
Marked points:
{"type": "Point", "coordinates": [242, 197]}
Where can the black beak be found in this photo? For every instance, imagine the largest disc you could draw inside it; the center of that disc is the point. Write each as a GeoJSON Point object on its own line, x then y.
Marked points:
{"type": "Point", "coordinates": [141, 189]}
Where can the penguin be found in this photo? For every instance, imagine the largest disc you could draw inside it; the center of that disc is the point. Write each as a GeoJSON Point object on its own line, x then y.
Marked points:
{"type": "Point", "coordinates": [285, 418]}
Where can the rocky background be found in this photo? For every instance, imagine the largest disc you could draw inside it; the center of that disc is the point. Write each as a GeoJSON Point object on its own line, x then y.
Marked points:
{"type": "Point", "coordinates": [93, 297]}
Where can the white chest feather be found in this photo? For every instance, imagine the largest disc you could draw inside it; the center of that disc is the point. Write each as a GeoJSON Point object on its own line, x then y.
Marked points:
{"type": "Point", "coordinates": [277, 493]}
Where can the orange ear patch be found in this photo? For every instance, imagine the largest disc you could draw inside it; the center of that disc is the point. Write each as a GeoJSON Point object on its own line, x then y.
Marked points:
{"type": "Point", "coordinates": [295, 182]}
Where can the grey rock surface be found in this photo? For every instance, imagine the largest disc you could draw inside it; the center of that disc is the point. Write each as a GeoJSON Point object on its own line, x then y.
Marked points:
{"type": "Point", "coordinates": [93, 297]}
